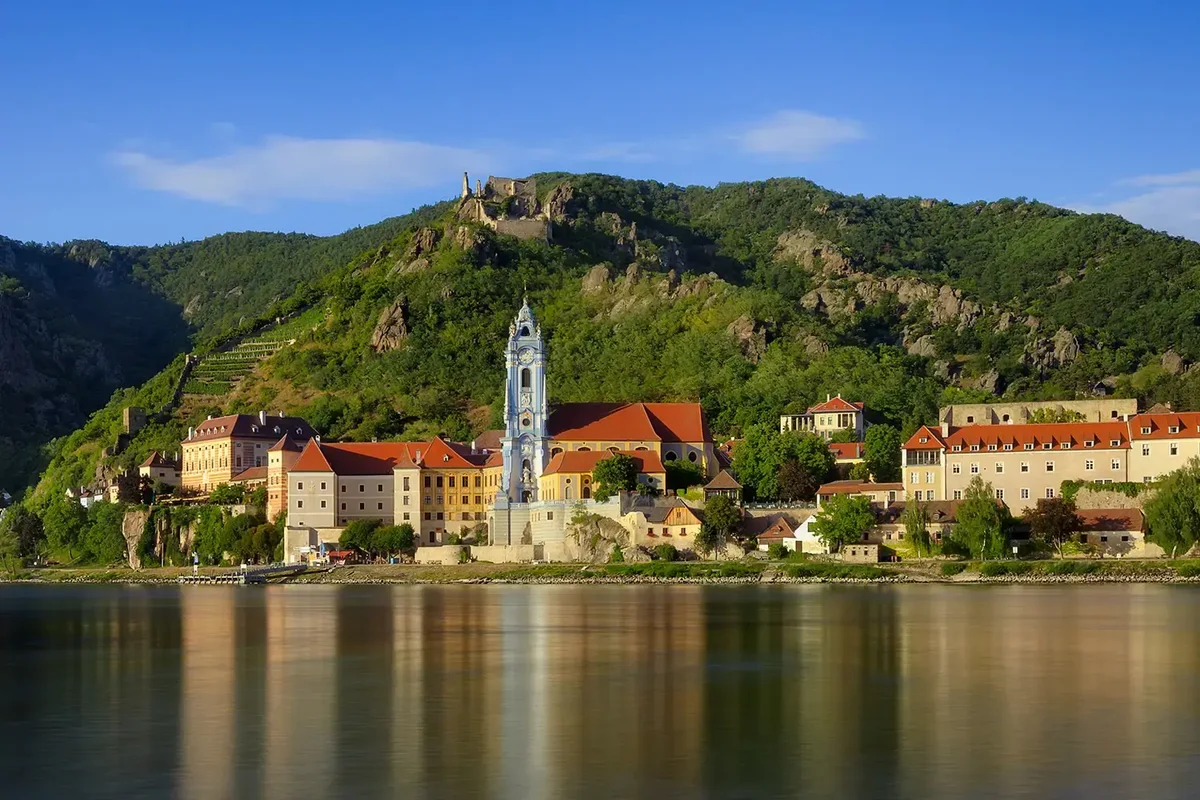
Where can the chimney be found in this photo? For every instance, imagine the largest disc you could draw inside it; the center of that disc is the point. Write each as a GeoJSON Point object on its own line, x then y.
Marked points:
{"type": "Point", "coordinates": [191, 433]}
{"type": "Point", "coordinates": [210, 416]}
{"type": "Point", "coordinates": [945, 427]}
{"type": "Point", "coordinates": [828, 397]}
{"type": "Point", "coordinates": [418, 458]}
{"type": "Point", "coordinates": [280, 413]}
{"type": "Point", "coordinates": [262, 418]}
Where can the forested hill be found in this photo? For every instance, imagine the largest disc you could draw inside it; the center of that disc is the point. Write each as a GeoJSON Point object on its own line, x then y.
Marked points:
{"type": "Point", "coordinates": [82, 319]}
{"type": "Point", "coordinates": [755, 298]}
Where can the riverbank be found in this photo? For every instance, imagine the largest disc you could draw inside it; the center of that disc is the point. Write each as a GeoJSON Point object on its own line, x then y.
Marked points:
{"type": "Point", "coordinates": [754, 572]}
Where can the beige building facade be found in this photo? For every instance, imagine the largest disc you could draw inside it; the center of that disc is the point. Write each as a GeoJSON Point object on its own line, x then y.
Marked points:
{"type": "Point", "coordinates": [221, 448]}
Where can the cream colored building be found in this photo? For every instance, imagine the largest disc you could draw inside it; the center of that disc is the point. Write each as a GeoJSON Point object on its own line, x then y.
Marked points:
{"type": "Point", "coordinates": [1020, 413]}
{"type": "Point", "coordinates": [221, 448]}
{"type": "Point", "coordinates": [1023, 463]}
{"type": "Point", "coordinates": [826, 419]}
{"type": "Point", "coordinates": [158, 468]}
{"type": "Point", "coordinates": [1162, 443]}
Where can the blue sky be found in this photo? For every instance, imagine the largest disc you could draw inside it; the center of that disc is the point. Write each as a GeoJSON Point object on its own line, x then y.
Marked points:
{"type": "Point", "coordinates": [144, 122]}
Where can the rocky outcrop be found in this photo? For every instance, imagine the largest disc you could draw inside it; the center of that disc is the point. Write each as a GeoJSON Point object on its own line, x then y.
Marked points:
{"type": "Point", "coordinates": [597, 279]}
{"type": "Point", "coordinates": [1066, 347]}
{"type": "Point", "coordinates": [1044, 354]}
{"type": "Point", "coordinates": [1172, 362]}
{"type": "Point", "coordinates": [750, 336]}
{"type": "Point", "coordinates": [923, 346]}
{"type": "Point", "coordinates": [597, 536]}
{"type": "Point", "coordinates": [671, 255]}
{"type": "Point", "coordinates": [988, 382]}
{"type": "Point", "coordinates": [811, 252]}
{"type": "Point", "coordinates": [557, 206]}
{"type": "Point", "coordinates": [391, 331]}
{"type": "Point", "coordinates": [193, 307]}
{"type": "Point", "coordinates": [132, 526]}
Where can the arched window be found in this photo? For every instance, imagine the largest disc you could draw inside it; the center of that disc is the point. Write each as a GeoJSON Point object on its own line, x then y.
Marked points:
{"type": "Point", "coordinates": [525, 378]}
{"type": "Point", "coordinates": [584, 449]}
{"type": "Point", "coordinates": [568, 493]}
{"type": "Point", "coordinates": [670, 457]}
{"type": "Point", "coordinates": [587, 492]}
{"type": "Point", "coordinates": [613, 450]}
{"type": "Point", "coordinates": [555, 451]}
{"type": "Point", "coordinates": [641, 449]}
{"type": "Point", "coordinates": [524, 330]}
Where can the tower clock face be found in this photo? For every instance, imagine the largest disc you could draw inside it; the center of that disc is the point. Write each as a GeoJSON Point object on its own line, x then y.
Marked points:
{"type": "Point", "coordinates": [525, 356]}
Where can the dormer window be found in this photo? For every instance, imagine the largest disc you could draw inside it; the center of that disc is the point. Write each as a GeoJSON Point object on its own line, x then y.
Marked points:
{"type": "Point", "coordinates": [254, 429]}
{"type": "Point", "coordinates": [1008, 447]}
{"type": "Point", "coordinates": [1145, 430]}
{"type": "Point", "coordinates": [1114, 442]}
{"type": "Point", "coordinates": [1047, 445]}
{"type": "Point", "coordinates": [1173, 429]}
{"type": "Point", "coordinates": [924, 440]}
{"type": "Point", "coordinates": [957, 448]}
{"type": "Point", "coordinates": [1065, 445]}
{"type": "Point", "coordinates": [974, 448]}
{"type": "Point", "coordinates": [1029, 445]}
{"type": "Point", "coordinates": [991, 448]}
{"type": "Point", "coordinates": [1090, 443]}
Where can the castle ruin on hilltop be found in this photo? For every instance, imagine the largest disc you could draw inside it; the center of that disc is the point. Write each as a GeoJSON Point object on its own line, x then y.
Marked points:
{"type": "Point", "coordinates": [506, 205]}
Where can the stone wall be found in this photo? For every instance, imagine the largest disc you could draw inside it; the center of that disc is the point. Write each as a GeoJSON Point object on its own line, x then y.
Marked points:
{"type": "Point", "coordinates": [446, 554]}
{"type": "Point", "coordinates": [1087, 498]}
{"type": "Point", "coordinates": [524, 228]}
{"type": "Point", "coordinates": [994, 413]}
{"type": "Point", "coordinates": [503, 554]}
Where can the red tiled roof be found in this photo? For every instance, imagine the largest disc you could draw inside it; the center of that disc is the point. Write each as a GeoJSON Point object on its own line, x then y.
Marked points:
{"type": "Point", "coordinates": [723, 481]}
{"type": "Point", "coordinates": [653, 422]}
{"type": "Point", "coordinates": [836, 404]}
{"type": "Point", "coordinates": [777, 528]}
{"type": "Point", "coordinates": [442, 454]}
{"type": "Point", "coordinates": [858, 487]}
{"type": "Point", "coordinates": [846, 450]}
{"type": "Point", "coordinates": [1160, 424]}
{"type": "Point", "coordinates": [251, 474]}
{"type": "Point", "coordinates": [156, 459]}
{"type": "Point", "coordinates": [380, 458]}
{"type": "Point", "coordinates": [312, 459]}
{"type": "Point", "coordinates": [488, 440]}
{"type": "Point", "coordinates": [1112, 519]}
{"type": "Point", "coordinates": [932, 437]}
{"type": "Point", "coordinates": [1055, 434]}
{"type": "Point", "coordinates": [575, 461]}
{"type": "Point", "coordinates": [287, 442]}
{"type": "Point", "coordinates": [249, 426]}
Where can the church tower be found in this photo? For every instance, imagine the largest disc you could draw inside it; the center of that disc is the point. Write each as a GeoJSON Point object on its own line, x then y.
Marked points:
{"type": "Point", "coordinates": [526, 441]}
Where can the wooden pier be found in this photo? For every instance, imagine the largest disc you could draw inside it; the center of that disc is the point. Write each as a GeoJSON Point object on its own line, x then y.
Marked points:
{"type": "Point", "coordinates": [246, 576]}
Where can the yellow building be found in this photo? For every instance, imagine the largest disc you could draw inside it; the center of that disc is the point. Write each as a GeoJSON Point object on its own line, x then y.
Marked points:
{"type": "Point", "coordinates": [568, 476]}
{"type": "Point", "coordinates": [157, 468]}
{"type": "Point", "coordinates": [222, 448]}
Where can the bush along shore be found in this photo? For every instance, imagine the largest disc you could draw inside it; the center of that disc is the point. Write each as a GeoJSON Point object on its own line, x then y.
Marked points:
{"type": "Point", "coordinates": [738, 572]}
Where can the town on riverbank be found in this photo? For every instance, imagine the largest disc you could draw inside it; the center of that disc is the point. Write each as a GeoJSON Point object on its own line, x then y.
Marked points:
{"type": "Point", "coordinates": [644, 491]}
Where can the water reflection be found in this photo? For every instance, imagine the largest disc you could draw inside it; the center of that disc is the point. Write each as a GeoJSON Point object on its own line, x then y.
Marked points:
{"type": "Point", "coordinates": [561, 691]}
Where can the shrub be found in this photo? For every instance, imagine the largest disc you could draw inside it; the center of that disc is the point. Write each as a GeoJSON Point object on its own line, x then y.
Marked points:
{"type": "Point", "coordinates": [666, 552]}
{"type": "Point", "coordinates": [616, 557]}
{"type": "Point", "coordinates": [817, 569]}
{"type": "Point", "coordinates": [953, 567]}
{"type": "Point", "coordinates": [994, 569]}
{"type": "Point", "coordinates": [1070, 568]}
{"type": "Point", "coordinates": [1188, 570]}
{"type": "Point", "coordinates": [777, 551]}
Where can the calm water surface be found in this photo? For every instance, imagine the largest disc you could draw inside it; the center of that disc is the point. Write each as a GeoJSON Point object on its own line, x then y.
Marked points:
{"type": "Point", "coordinates": [600, 692]}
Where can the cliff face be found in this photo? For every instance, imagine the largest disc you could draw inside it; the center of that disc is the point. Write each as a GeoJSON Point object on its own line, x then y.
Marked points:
{"type": "Point", "coordinates": [72, 329]}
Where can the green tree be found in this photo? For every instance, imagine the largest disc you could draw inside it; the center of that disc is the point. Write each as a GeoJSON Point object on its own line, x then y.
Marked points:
{"type": "Point", "coordinates": [392, 539]}
{"type": "Point", "coordinates": [64, 522]}
{"type": "Point", "coordinates": [1173, 514]}
{"type": "Point", "coordinates": [843, 519]}
{"type": "Point", "coordinates": [10, 550]}
{"type": "Point", "coordinates": [981, 522]}
{"type": "Point", "coordinates": [722, 516]}
{"type": "Point", "coordinates": [1054, 520]}
{"type": "Point", "coordinates": [25, 528]}
{"type": "Point", "coordinates": [617, 473]}
{"type": "Point", "coordinates": [227, 494]}
{"type": "Point", "coordinates": [916, 528]}
{"type": "Point", "coordinates": [796, 483]}
{"type": "Point", "coordinates": [881, 453]}
{"type": "Point", "coordinates": [708, 541]}
{"type": "Point", "coordinates": [359, 535]}
{"type": "Point", "coordinates": [104, 537]}
{"type": "Point", "coordinates": [666, 552]}
{"type": "Point", "coordinates": [860, 472]}
{"type": "Point", "coordinates": [683, 475]}
{"type": "Point", "coordinates": [759, 458]}
{"type": "Point", "coordinates": [844, 435]}
{"type": "Point", "coordinates": [258, 497]}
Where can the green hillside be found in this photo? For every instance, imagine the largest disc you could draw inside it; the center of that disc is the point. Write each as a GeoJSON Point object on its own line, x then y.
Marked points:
{"type": "Point", "coordinates": [755, 298]}
{"type": "Point", "coordinates": [82, 319]}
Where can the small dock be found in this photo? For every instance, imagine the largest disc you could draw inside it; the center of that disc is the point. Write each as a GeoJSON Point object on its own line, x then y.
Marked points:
{"type": "Point", "coordinates": [246, 576]}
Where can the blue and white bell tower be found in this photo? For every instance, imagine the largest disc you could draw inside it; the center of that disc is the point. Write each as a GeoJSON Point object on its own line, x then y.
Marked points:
{"type": "Point", "coordinates": [525, 442]}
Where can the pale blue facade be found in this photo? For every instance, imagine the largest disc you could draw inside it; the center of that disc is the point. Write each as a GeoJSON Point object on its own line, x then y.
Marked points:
{"type": "Point", "coordinates": [525, 443]}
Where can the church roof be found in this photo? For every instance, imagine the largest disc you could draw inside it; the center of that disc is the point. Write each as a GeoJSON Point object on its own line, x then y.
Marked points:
{"type": "Point", "coordinates": [642, 422]}
{"type": "Point", "coordinates": [585, 461]}
{"type": "Point", "coordinates": [380, 458]}
{"type": "Point", "coordinates": [723, 481]}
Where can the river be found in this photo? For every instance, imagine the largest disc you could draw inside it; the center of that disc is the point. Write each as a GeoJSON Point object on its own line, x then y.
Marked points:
{"type": "Point", "coordinates": [600, 691]}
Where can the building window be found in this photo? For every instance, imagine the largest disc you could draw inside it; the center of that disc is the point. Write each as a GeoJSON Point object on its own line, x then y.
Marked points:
{"type": "Point", "coordinates": [549, 515]}
{"type": "Point", "coordinates": [427, 500]}
{"type": "Point", "coordinates": [439, 515]}
{"type": "Point", "coordinates": [991, 448]}
{"type": "Point", "coordinates": [478, 500]}
{"type": "Point", "coordinates": [999, 467]}
{"type": "Point", "coordinates": [929, 477]}
{"type": "Point", "coordinates": [1124, 538]}
{"type": "Point", "coordinates": [974, 468]}
{"type": "Point", "coordinates": [1050, 492]}
{"type": "Point", "coordinates": [465, 500]}
{"type": "Point", "coordinates": [343, 506]}
{"type": "Point", "coordinates": [406, 516]}
{"type": "Point", "coordinates": [426, 481]}
{"type": "Point", "coordinates": [477, 482]}
{"type": "Point", "coordinates": [451, 481]}
{"type": "Point", "coordinates": [1089, 465]}
{"type": "Point", "coordinates": [362, 506]}
{"type": "Point", "coordinates": [428, 516]}
{"type": "Point", "coordinates": [958, 494]}
{"type": "Point", "coordinates": [970, 419]}
{"type": "Point", "coordinates": [1145, 430]}
{"type": "Point", "coordinates": [1047, 445]}
{"type": "Point", "coordinates": [525, 379]}
{"type": "Point", "coordinates": [381, 506]}
{"type": "Point", "coordinates": [957, 448]}
{"type": "Point", "coordinates": [1008, 447]}
{"type": "Point", "coordinates": [322, 504]}
{"type": "Point", "coordinates": [1024, 466]}
{"type": "Point", "coordinates": [343, 488]}
{"type": "Point", "coordinates": [1024, 494]}
{"type": "Point", "coordinates": [999, 494]}
{"type": "Point", "coordinates": [299, 504]}
{"type": "Point", "coordinates": [956, 468]}
{"type": "Point", "coordinates": [1114, 442]}
{"type": "Point", "coordinates": [381, 487]}
{"type": "Point", "coordinates": [406, 484]}
{"type": "Point", "coordinates": [1116, 463]}
{"type": "Point", "coordinates": [913, 477]}
{"type": "Point", "coordinates": [300, 485]}
{"type": "Point", "coordinates": [439, 481]}
{"type": "Point", "coordinates": [1029, 445]}
{"type": "Point", "coordinates": [974, 448]}
{"type": "Point", "coordinates": [439, 500]}
{"type": "Point", "coordinates": [1174, 450]}
{"type": "Point", "coordinates": [361, 488]}
{"type": "Point", "coordinates": [1145, 450]}
{"type": "Point", "coordinates": [1049, 466]}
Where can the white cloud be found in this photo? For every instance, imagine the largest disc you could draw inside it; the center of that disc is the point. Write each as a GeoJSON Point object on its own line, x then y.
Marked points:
{"type": "Point", "coordinates": [1171, 179]}
{"type": "Point", "coordinates": [1171, 204]}
{"type": "Point", "coordinates": [797, 135]}
{"type": "Point", "coordinates": [290, 168]}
